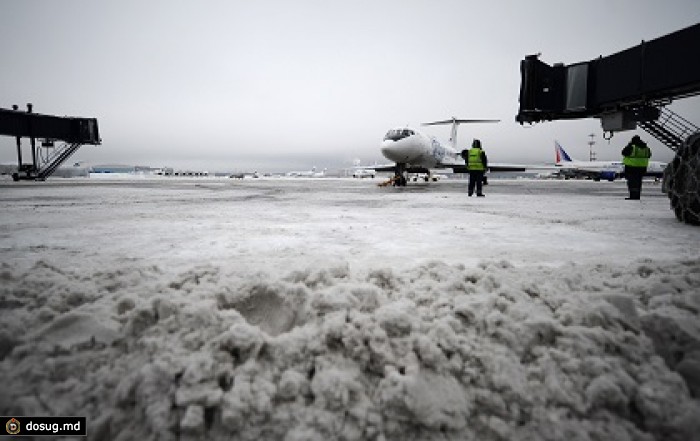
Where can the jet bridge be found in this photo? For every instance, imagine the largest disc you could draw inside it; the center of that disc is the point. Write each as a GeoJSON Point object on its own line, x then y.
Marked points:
{"type": "Point", "coordinates": [627, 90]}
{"type": "Point", "coordinates": [60, 137]}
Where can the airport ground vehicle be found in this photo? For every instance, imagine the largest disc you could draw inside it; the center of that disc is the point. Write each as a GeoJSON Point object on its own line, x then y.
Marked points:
{"type": "Point", "coordinates": [626, 90]}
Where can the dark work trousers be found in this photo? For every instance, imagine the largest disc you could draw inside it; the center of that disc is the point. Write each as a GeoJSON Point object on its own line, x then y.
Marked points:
{"type": "Point", "coordinates": [634, 177]}
{"type": "Point", "coordinates": [476, 178]}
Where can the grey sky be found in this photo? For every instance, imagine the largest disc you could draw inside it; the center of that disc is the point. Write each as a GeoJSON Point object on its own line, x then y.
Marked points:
{"type": "Point", "coordinates": [279, 85]}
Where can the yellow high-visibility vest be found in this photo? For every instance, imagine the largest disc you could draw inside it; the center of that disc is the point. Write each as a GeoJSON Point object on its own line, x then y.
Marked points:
{"type": "Point", "coordinates": [474, 160]}
{"type": "Point", "coordinates": [638, 158]}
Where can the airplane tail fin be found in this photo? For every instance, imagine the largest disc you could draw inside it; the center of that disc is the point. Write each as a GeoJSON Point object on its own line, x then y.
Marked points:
{"type": "Point", "coordinates": [561, 155]}
{"type": "Point", "coordinates": [455, 123]}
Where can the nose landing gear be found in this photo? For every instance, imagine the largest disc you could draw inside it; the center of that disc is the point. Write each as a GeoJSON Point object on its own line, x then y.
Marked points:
{"type": "Point", "coordinates": [400, 176]}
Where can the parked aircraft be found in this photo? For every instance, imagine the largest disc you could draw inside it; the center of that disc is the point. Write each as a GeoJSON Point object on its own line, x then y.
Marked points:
{"type": "Point", "coordinates": [418, 177]}
{"type": "Point", "coordinates": [414, 152]}
{"type": "Point", "coordinates": [597, 170]}
{"type": "Point", "coordinates": [364, 173]}
{"type": "Point", "coordinates": [307, 174]}
{"type": "Point", "coordinates": [244, 175]}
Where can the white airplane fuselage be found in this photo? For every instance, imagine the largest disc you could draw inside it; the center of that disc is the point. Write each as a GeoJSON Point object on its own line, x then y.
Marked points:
{"type": "Point", "coordinates": [414, 148]}
{"type": "Point", "coordinates": [603, 166]}
{"type": "Point", "coordinates": [609, 170]}
{"type": "Point", "coordinates": [307, 173]}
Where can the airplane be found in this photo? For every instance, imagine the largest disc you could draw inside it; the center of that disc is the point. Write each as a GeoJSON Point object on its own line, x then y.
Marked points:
{"type": "Point", "coordinates": [244, 175]}
{"type": "Point", "coordinates": [364, 173]}
{"type": "Point", "coordinates": [597, 170]}
{"type": "Point", "coordinates": [427, 178]}
{"type": "Point", "coordinates": [414, 152]}
{"type": "Point", "coordinates": [308, 174]}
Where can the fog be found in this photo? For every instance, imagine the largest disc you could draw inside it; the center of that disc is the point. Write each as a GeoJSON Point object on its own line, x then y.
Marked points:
{"type": "Point", "coordinates": [274, 85]}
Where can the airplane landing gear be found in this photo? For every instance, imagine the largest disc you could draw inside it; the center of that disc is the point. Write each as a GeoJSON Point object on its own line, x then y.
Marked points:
{"type": "Point", "coordinates": [400, 175]}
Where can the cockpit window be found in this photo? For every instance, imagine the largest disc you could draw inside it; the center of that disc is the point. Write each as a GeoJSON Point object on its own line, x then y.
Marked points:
{"type": "Point", "coordinates": [397, 134]}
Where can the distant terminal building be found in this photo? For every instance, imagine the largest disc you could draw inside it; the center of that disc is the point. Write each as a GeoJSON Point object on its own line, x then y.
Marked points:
{"type": "Point", "coordinates": [113, 169]}
{"type": "Point", "coordinates": [190, 173]}
{"type": "Point", "coordinates": [164, 171]}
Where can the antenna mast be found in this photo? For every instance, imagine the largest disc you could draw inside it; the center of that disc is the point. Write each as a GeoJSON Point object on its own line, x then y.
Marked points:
{"type": "Point", "coordinates": [591, 143]}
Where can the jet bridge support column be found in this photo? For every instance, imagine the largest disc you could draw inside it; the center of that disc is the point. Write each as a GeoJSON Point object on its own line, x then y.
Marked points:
{"type": "Point", "coordinates": [19, 153]}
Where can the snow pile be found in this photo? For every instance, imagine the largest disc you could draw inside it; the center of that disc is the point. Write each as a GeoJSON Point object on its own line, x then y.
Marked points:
{"type": "Point", "coordinates": [492, 352]}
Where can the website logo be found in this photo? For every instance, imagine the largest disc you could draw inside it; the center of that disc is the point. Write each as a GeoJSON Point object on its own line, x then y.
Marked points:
{"type": "Point", "coordinates": [12, 426]}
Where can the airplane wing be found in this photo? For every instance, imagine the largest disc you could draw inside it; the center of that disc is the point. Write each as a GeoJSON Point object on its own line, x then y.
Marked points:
{"type": "Point", "coordinates": [391, 168]}
{"type": "Point", "coordinates": [377, 167]}
{"type": "Point", "coordinates": [500, 167]}
{"type": "Point", "coordinates": [452, 121]}
{"type": "Point", "coordinates": [460, 168]}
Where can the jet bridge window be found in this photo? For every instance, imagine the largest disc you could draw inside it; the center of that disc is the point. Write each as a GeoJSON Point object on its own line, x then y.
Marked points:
{"type": "Point", "coordinates": [576, 87]}
{"type": "Point", "coordinates": [397, 134]}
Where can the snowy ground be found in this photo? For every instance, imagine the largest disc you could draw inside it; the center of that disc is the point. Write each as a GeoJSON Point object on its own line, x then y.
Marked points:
{"type": "Point", "coordinates": [304, 309]}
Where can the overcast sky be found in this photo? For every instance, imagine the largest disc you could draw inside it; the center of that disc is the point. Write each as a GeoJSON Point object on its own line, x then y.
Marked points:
{"type": "Point", "coordinates": [287, 85]}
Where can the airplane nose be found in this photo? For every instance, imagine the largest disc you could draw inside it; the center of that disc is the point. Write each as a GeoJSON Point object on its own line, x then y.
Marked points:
{"type": "Point", "coordinates": [391, 150]}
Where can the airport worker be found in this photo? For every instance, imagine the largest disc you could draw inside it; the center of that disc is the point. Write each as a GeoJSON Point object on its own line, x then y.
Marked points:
{"type": "Point", "coordinates": [635, 158]}
{"type": "Point", "coordinates": [477, 163]}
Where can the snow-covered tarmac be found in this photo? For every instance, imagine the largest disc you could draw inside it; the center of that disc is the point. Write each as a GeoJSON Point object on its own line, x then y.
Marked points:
{"type": "Point", "coordinates": [334, 309]}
